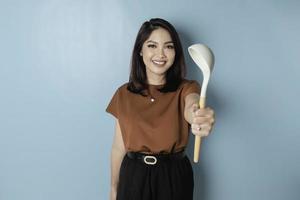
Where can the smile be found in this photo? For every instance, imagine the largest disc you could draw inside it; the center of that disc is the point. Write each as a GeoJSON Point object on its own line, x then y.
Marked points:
{"type": "Point", "coordinates": [159, 62]}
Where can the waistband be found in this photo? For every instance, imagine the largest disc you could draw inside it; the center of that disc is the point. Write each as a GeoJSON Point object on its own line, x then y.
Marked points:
{"type": "Point", "coordinates": [152, 159]}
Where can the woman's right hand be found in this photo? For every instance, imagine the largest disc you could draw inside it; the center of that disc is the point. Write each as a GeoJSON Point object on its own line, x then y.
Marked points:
{"type": "Point", "coordinates": [113, 193]}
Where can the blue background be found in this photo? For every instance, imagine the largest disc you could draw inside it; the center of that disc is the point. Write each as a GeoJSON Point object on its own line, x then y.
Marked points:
{"type": "Point", "coordinates": [61, 61]}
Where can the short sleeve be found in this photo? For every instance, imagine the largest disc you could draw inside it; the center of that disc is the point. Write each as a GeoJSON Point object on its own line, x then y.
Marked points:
{"type": "Point", "coordinates": [191, 87]}
{"type": "Point", "coordinates": [113, 106]}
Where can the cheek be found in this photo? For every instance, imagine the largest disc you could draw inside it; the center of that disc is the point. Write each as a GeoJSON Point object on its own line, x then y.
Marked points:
{"type": "Point", "coordinates": [147, 59]}
{"type": "Point", "coordinates": [171, 56]}
{"type": "Point", "coordinates": [147, 55]}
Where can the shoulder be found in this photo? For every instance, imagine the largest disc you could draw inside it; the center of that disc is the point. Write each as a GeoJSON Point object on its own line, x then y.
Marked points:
{"type": "Point", "coordinates": [122, 89]}
{"type": "Point", "coordinates": [123, 86]}
{"type": "Point", "coordinates": [187, 82]}
{"type": "Point", "coordinates": [190, 86]}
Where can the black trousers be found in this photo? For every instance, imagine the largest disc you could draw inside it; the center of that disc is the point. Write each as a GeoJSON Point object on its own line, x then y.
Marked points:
{"type": "Point", "coordinates": [167, 180]}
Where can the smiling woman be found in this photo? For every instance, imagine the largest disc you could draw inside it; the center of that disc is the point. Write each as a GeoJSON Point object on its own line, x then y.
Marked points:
{"type": "Point", "coordinates": [153, 117]}
{"type": "Point", "coordinates": [158, 55]}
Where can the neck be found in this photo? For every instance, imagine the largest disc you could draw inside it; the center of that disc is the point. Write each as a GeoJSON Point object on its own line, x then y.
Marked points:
{"type": "Point", "coordinates": [156, 81]}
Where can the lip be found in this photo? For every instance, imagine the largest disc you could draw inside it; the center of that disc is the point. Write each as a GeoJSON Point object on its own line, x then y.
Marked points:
{"type": "Point", "coordinates": [159, 60]}
{"type": "Point", "coordinates": [159, 63]}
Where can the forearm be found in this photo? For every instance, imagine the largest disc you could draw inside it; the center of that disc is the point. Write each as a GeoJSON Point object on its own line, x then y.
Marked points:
{"type": "Point", "coordinates": [191, 99]}
{"type": "Point", "coordinates": [117, 155]}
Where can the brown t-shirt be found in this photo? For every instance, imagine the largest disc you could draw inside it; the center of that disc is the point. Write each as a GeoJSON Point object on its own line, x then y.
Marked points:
{"type": "Point", "coordinates": [155, 126]}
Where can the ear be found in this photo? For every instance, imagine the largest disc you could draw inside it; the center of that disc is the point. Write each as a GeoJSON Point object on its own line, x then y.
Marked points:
{"type": "Point", "coordinates": [141, 54]}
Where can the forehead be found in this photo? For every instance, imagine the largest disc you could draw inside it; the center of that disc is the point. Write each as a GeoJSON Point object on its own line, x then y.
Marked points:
{"type": "Point", "coordinates": [160, 35]}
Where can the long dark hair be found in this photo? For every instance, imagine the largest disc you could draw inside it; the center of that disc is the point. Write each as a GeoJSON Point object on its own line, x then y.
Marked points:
{"type": "Point", "coordinates": [174, 75]}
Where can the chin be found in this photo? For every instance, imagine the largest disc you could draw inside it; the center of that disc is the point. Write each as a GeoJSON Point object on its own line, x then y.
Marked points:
{"type": "Point", "coordinates": [159, 71]}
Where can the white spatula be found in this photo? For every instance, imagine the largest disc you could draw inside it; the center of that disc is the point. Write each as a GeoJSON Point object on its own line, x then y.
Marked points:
{"type": "Point", "coordinates": [204, 58]}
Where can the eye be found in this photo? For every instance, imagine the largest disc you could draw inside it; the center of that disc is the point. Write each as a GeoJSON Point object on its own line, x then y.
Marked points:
{"type": "Point", "coordinates": [151, 45]}
{"type": "Point", "coordinates": [170, 47]}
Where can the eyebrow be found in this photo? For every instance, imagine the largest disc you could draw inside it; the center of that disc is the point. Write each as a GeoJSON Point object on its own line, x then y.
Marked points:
{"type": "Point", "coordinates": [156, 42]}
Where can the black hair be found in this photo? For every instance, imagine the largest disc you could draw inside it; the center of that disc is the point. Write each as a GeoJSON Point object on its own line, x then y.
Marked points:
{"type": "Point", "coordinates": [174, 75]}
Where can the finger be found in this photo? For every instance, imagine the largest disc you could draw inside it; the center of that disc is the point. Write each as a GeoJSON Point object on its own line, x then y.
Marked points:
{"type": "Point", "coordinates": [202, 133]}
{"type": "Point", "coordinates": [195, 107]}
{"type": "Point", "coordinates": [203, 119]}
{"type": "Point", "coordinates": [203, 112]}
{"type": "Point", "coordinates": [207, 126]}
{"type": "Point", "coordinates": [203, 127]}
{"type": "Point", "coordinates": [209, 108]}
{"type": "Point", "coordinates": [211, 111]}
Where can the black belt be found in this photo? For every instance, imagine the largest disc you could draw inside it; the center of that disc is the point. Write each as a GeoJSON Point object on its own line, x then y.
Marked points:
{"type": "Point", "coordinates": [152, 159]}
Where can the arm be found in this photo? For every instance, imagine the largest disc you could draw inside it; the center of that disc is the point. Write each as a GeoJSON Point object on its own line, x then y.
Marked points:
{"type": "Point", "coordinates": [197, 117]}
{"type": "Point", "coordinates": [190, 99]}
{"type": "Point", "coordinates": [117, 153]}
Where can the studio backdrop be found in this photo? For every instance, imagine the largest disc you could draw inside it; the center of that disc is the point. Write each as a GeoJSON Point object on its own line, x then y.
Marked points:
{"type": "Point", "coordinates": [62, 60]}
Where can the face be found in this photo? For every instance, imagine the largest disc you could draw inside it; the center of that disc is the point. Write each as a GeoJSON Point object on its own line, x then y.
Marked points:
{"type": "Point", "coordinates": [158, 54]}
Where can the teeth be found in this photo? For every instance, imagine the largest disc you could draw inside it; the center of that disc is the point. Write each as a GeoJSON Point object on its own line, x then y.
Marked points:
{"type": "Point", "coordinates": [159, 62]}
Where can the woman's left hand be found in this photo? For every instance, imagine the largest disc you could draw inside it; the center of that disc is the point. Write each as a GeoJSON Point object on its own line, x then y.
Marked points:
{"type": "Point", "coordinates": [202, 120]}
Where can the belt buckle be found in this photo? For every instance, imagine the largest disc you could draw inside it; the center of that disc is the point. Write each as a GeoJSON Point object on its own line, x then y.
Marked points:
{"type": "Point", "coordinates": [151, 157]}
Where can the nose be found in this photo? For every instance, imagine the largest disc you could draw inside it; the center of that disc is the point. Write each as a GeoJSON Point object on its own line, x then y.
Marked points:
{"type": "Point", "coordinates": [161, 53]}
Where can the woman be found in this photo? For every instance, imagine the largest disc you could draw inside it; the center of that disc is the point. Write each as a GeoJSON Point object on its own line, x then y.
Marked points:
{"type": "Point", "coordinates": [154, 112]}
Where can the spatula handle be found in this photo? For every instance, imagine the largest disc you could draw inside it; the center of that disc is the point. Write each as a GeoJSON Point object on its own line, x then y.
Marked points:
{"type": "Point", "coordinates": [198, 138]}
